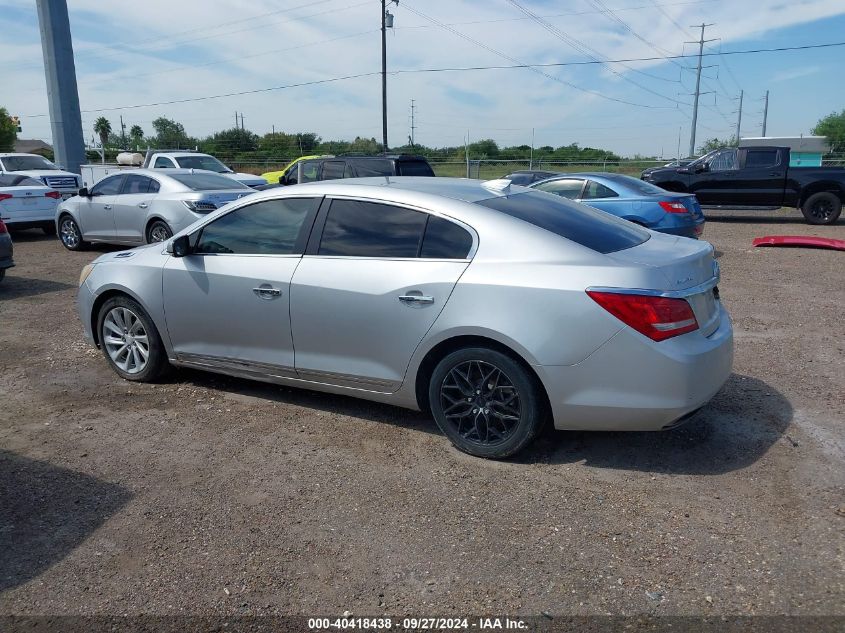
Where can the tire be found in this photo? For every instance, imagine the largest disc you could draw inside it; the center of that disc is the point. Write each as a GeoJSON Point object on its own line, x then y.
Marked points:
{"type": "Point", "coordinates": [125, 331]}
{"type": "Point", "coordinates": [158, 231]}
{"type": "Point", "coordinates": [49, 229]}
{"type": "Point", "coordinates": [822, 208]}
{"type": "Point", "coordinates": [469, 411]}
{"type": "Point", "coordinates": [70, 234]}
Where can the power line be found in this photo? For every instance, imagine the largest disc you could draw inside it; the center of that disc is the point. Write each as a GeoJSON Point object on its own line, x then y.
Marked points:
{"type": "Point", "coordinates": [609, 13]}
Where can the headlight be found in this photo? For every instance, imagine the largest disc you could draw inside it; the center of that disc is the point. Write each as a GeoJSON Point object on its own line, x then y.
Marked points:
{"type": "Point", "coordinates": [85, 272]}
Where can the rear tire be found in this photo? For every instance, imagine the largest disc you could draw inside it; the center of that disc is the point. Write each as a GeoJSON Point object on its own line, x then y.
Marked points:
{"type": "Point", "coordinates": [130, 341]}
{"type": "Point", "coordinates": [822, 208]}
{"type": "Point", "coordinates": [158, 231]}
{"type": "Point", "coordinates": [485, 402]}
{"type": "Point", "coordinates": [70, 234]}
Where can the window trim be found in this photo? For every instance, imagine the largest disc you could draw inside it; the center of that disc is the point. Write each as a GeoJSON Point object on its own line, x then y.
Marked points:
{"type": "Point", "coordinates": [313, 247]}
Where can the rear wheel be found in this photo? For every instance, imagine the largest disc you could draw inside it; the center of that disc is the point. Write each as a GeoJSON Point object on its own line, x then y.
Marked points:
{"type": "Point", "coordinates": [70, 234]}
{"type": "Point", "coordinates": [130, 340]}
{"type": "Point", "coordinates": [822, 208]}
{"type": "Point", "coordinates": [158, 231]}
{"type": "Point", "coordinates": [485, 402]}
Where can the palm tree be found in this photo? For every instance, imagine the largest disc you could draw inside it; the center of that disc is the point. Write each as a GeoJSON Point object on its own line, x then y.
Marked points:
{"type": "Point", "coordinates": [103, 128]}
{"type": "Point", "coordinates": [136, 133]}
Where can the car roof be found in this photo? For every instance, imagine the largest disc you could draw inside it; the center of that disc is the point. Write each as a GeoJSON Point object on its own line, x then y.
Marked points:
{"type": "Point", "coordinates": [165, 171]}
{"type": "Point", "coordinates": [8, 154]}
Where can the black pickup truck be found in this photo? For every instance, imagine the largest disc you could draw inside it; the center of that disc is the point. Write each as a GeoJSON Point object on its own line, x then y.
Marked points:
{"type": "Point", "coordinates": [757, 178]}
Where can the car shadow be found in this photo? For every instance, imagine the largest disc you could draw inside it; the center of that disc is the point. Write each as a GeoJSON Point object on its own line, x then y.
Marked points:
{"type": "Point", "coordinates": [45, 512]}
{"type": "Point", "coordinates": [13, 287]}
{"type": "Point", "coordinates": [750, 218]}
{"type": "Point", "coordinates": [731, 432]}
{"type": "Point", "coordinates": [30, 235]}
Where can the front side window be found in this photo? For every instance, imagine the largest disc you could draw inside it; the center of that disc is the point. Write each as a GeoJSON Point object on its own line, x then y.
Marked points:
{"type": "Point", "coordinates": [445, 240]}
{"type": "Point", "coordinates": [333, 169]}
{"type": "Point", "coordinates": [565, 187]}
{"type": "Point", "coordinates": [368, 229]}
{"type": "Point", "coordinates": [761, 158]}
{"type": "Point", "coordinates": [270, 227]}
{"type": "Point", "coordinates": [108, 186]}
{"type": "Point", "coordinates": [724, 161]}
{"type": "Point", "coordinates": [595, 191]}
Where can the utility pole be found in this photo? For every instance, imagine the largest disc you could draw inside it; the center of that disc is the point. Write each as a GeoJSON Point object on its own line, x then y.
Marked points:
{"type": "Point", "coordinates": [531, 160]}
{"type": "Point", "coordinates": [242, 121]}
{"type": "Point", "coordinates": [701, 41]}
{"type": "Point", "coordinates": [466, 151]}
{"type": "Point", "coordinates": [62, 93]}
{"type": "Point", "coordinates": [739, 117]}
{"type": "Point", "coordinates": [122, 133]}
{"type": "Point", "coordinates": [413, 127]}
{"type": "Point", "coordinates": [765, 112]}
{"type": "Point", "coordinates": [237, 125]}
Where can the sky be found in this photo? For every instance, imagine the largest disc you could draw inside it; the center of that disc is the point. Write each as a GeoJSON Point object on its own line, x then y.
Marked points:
{"type": "Point", "coordinates": [137, 53]}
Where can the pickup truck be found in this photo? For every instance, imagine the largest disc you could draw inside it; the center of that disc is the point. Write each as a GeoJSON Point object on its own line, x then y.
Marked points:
{"type": "Point", "coordinates": [758, 178]}
{"type": "Point", "coordinates": [93, 173]}
{"type": "Point", "coordinates": [41, 169]}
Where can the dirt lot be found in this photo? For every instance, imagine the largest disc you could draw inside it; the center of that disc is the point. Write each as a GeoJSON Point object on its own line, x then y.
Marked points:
{"type": "Point", "coordinates": [210, 495]}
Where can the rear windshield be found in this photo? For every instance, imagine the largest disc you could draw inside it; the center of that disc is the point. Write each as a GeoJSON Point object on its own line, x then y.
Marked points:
{"type": "Point", "coordinates": [207, 182]}
{"type": "Point", "coordinates": [640, 186]}
{"type": "Point", "coordinates": [414, 168]}
{"type": "Point", "coordinates": [9, 180]}
{"type": "Point", "coordinates": [583, 225]}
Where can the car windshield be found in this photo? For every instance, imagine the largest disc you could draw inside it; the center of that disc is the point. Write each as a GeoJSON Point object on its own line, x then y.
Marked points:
{"type": "Point", "coordinates": [208, 182]}
{"type": "Point", "coordinates": [9, 180]}
{"type": "Point", "coordinates": [208, 163]}
{"type": "Point", "coordinates": [637, 185]}
{"type": "Point", "coordinates": [583, 225]}
{"type": "Point", "coordinates": [22, 163]}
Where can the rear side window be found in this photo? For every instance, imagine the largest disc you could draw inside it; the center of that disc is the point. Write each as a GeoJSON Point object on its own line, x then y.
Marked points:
{"type": "Point", "coordinates": [367, 229]}
{"type": "Point", "coordinates": [373, 167]}
{"type": "Point", "coordinates": [333, 169]}
{"type": "Point", "coordinates": [136, 184]}
{"type": "Point", "coordinates": [271, 227]}
{"type": "Point", "coordinates": [414, 168]}
{"type": "Point", "coordinates": [445, 240]}
{"type": "Point", "coordinates": [564, 187]}
{"type": "Point", "coordinates": [579, 223]}
{"type": "Point", "coordinates": [595, 190]}
{"type": "Point", "coordinates": [761, 158]}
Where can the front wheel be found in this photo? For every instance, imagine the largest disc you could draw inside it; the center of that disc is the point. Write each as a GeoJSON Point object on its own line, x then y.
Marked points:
{"type": "Point", "coordinates": [485, 402]}
{"type": "Point", "coordinates": [158, 231]}
{"type": "Point", "coordinates": [70, 234]}
{"type": "Point", "coordinates": [130, 340]}
{"type": "Point", "coordinates": [822, 208]}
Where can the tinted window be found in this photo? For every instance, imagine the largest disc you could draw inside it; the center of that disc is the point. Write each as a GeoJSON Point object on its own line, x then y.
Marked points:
{"type": "Point", "coordinates": [154, 186]}
{"type": "Point", "coordinates": [520, 179]}
{"type": "Point", "coordinates": [368, 229]}
{"type": "Point", "coordinates": [724, 161]}
{"type": "Point", "coordinates": [208, 182]}
{"type": "Point", "coordinates": [271, 227]}
{"type": "Point", "coordinates": [373, 167]}
{"type": "Point", "coordinates": [309, 171]}
{"type": "Point", "coordinates": [333, 169]}
{"type": "Point", "coordinates": [136, 184]}
{"type": "Point", "coordinates": [10, 180]}
{"type": "Point", "coordinates": [445, 240]}
{"type": "Point", "coordinates": [162, 162]}
{"type": "Point", "coordinates": [588, 227]}
{"type": "Point", "coordinates": [108, 186]}
{"type": "Point", "coordinates": [761, 158]}
{"type": "Point", "coordinates": [595, 190]}
{"type": "Point", "coordinates": [414, 168]}
{"type": "Point", "coordinates": [565, 188]}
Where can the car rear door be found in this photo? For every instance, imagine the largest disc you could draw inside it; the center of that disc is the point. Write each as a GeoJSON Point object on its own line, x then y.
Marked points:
{"type": "Point", "coordinates": [761, 178]}
{"type": "Point", "coordinates": [131, 207]}
{"type": "Point", "coordinates": [227, 303]}
{"type": "Point", "coordinates": [373, 280]}
{"type": "Point", "coordinates": [96, 212]}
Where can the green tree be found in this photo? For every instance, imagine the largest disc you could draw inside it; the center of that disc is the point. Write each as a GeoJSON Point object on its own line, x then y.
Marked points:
{"type": "Point", "coordinates": [485, 148]}
{"type": "Point", "coordinates": [230, 142]}
{"type": "Point", "coordinates": [8, 132]}
{"type": "Point", "coordinates": [717, 143]}
{"type": "Point", "coordinates": [833, 127]}
{"type": "Point", "coordinates": [171, 134]}
{"type": "Point", "coordinates": [136, 135]}
{"type": "Point", "coordinates": [102, 127]}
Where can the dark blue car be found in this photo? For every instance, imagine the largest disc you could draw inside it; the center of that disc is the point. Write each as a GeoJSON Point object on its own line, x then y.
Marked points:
{"type": "Point", "coordinates": [631, 199]}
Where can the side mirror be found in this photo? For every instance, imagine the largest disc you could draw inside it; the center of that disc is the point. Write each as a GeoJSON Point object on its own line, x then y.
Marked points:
{"type": "Point", "coordinates": [179, 247]}
{"type": "Point", "coordinates": [702, 167]}
{"type": "Point", "coordinates": [84, 192]}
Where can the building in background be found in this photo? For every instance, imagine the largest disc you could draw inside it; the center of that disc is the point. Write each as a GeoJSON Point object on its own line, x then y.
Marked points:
{"type": "Point", "coordinates": [804, 151]}
{"type": "Point", "coordinates": [33, 146]}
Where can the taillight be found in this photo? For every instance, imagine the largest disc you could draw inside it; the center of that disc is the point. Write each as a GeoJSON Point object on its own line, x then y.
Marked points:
{"type": "Point", "coordinates": [672, 206]}
{"type": "Point", "coordinates": [55, 195]}
{"type": "Point", "coordinates": [658, 318]}
{"type": "Point", "coordinates": [5, 196]}
{"type": "Point", "coordinates": [3, 228]}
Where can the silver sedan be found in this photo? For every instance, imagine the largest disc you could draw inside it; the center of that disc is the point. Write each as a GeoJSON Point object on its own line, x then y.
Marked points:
{"type": "Point", "coordinates": [491, 305]}
{"type": "Point", "coordinates": [141, 206]}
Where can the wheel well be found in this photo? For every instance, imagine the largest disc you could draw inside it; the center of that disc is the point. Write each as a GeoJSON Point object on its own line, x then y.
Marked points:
{"type": "Point", "coordinates": [95, 310]}
{"type": "Point", "coordinates": [829, 187]}
{"type": "Point", "coordinates": [150, 222]}
{"type": "Point", "coordinates": [444, 348]}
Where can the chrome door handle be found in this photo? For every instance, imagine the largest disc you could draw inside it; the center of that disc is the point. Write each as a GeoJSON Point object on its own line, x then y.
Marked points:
{"type": "Point", "coordinates": [143, 205]}
{"type": "Point", "coordinates": [107, 207]}
{"type": "Point", "coordinates": [265, 292]}
{"type": "Point", "coordinates": [416, 299]}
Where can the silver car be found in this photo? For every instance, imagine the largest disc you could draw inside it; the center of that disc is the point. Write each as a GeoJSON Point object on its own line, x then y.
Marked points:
{"type": "Point", "coordinates": [491, 305]}
{"type": "Point", "coordinates": [143, 206]}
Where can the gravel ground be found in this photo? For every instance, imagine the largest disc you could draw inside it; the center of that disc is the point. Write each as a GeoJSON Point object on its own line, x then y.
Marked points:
{"type": "Point", "coordinates": [210, 495]}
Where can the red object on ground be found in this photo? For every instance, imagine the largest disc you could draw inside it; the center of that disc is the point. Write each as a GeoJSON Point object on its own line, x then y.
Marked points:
{"type": "Point", "coordinates": [800, 240]}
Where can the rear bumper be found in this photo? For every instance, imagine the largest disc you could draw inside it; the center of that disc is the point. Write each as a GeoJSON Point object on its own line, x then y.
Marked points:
{"type": "Point", "coordinates": [634, 384]}
{"type": "Point", "coordinates": [694, 230]}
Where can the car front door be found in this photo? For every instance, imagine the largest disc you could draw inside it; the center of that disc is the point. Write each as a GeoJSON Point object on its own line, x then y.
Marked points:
{"type": "Point", "coordinates": [227, 302]}
{"type": "Point", "coordinates": [371, 284]}
{"type": "Point", "coordinates": [719, 182]}
{"type": "Point", "coordinates": [96, 212]}
{"type": "Point", "coordinates": [131, 207]}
